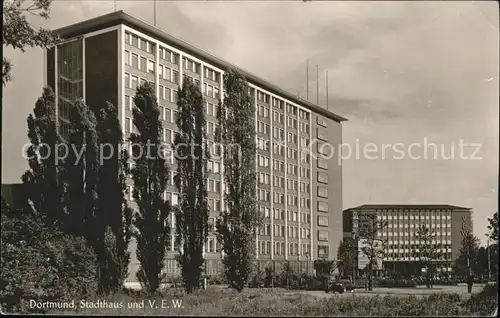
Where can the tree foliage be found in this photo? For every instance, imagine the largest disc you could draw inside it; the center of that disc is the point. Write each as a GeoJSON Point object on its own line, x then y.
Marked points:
{"type": "Point", "coordinates": [467, 261]}
{"type": "Point", "coordinates": [192, 211]}
{"type": "Point", "coordinates": [150, 175]}
{"type": "Point", "coordinates": [369, 229]}
{"type": "Point", "coordinates": [114, 214]}
{"type": "Point", "coordinates": [19, 34]}
{"type": "Point", "coordinates": [41, 263]}
{"type": "Point", "coordinates": [236, 228]}
{"type": "Point", "coordinates": [428, 251]}
{"type": "Point", "coordinates": [41, 181]}
{"type": "Point", "coordinates": [493, 227]}
{"type": "Point", "coordinates": [347, 255]}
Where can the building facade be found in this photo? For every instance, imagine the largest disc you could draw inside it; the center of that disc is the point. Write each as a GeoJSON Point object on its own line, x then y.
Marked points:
{"type": "Point", "coordinates": [448, 223]}
{"type": "Point", "coordinates": [299, 188]}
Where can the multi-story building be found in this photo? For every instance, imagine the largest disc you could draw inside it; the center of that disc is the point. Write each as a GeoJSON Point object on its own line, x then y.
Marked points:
{"type": "Point", "coordinates": [448, 223]}
{"type": "Point", "coordinates": [300, 197]}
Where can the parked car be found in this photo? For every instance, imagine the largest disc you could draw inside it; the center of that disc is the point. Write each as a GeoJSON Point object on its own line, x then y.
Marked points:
{"type": "Point", "coordinates": [335, 287]}
{"type": "Point", "coordinates": [348, 285]}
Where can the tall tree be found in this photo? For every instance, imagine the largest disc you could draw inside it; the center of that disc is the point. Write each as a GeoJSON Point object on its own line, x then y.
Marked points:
{"type": "Point", "coordinates": [347, 254]}
{"type": "Point", "coordinates": [41, 181]}
{"type": "Point", "coordinates": [428, 252]}
{"type": "Point", "coordinates": [372, 245]}
{"type": "Point", "coordinates": [192, 211]}
{"type": "Point", "coordinates": [150, 175]}
{"type": "Point", "coordinates": [18, 33]}
{"type": "Point", "coordinates": [493, 227]}
{"type": "Point", "coordinates": [81, 175]}
{"type": "Point", "coordinates": [469, 250]}
{"type": "Point", "coordinates": [236, 228]}
{"type": "Point", "coordinates": [493, 248]}
{"type": "Point", "coordinates": [114, 214]}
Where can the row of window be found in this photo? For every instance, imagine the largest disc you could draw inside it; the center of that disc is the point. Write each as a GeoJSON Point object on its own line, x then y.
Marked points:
{"type": "Point", "coordinates": [214, 205]}
{"type": "Point", "coordinates": [415, 246]}
{"type": "Point", "coordinates": [140, 43]}
{"type": "Point", "coordinates": [211, 128]}
{"type": "Point", "coordinates": [190, 65]}
{"type": "Point", "coordinates": [212, 109]}
{"type": "Point", "coordinates": [213, 166]}
{"type": "Point", "coordinates": [214, 186]}
{"type": "Point", "coordinates": [279, 214]}
{"type": "Point", "coordinates": [279, 118]}
{"type": "Point", "coordinates": [414, 212]}
{"type": "Point", "coordinates": [414, 234]}
{"type": "Point", "coordinates": [168, 196]}
{"type": "Point", "coordinates": [445, 256]}
{"type": "Point", "coordinates": [279, 231]}
{"type": "Point", "coordinates": [211, 91]}
{"type": "Point", "coordinates": [168, 74]}
{"type": "Point", "coordinates": [417, 223]}
{"type": "Point", "coordinates": [168, 94]}
{"type": "Point", "coordinates": [415, 216]}
{"type": "Point", "coordinates": [194, 67]}
{"type": "Point", "coordinates": [279, 248]}
{"type": "Point", "coordinates": [169, 56]}
{"type": "Point", "coordinates": [323, 251]}
{"type": "Point", "coordinates": [211, 74]}
{"type": "Point", "coordinates": [262, 97]}
{"type": "Point", "coordinates": [262, 128]}
{"type": "Point", "coordinates": [139, 62]}
{"type": "Point", "coordinates": [262, 161]}
{"type": "Point", "coordinates": [132, 81]}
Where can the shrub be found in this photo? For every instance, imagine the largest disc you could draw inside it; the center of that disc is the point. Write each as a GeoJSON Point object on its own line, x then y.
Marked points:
{"type": "Point", "coordinates": [217, 279]}
{"type": "Point", "coordinates": [42, 265]}
{"type": "Point", "coordinates": [484, 302]}
{"type": "Point", "coordinates": [390, 282]}
{"type": "Point", "coordinates": [256, 279]}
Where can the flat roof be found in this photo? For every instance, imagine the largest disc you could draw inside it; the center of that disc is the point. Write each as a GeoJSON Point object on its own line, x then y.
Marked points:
{"type": "Point", "coordinates": [120, 17]}
{"type": "Point", "coordinates": [408, 206]}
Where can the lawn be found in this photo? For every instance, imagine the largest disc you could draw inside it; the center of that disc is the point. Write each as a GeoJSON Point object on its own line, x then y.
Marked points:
{"type": "Point", "coordinates": [269, 302]}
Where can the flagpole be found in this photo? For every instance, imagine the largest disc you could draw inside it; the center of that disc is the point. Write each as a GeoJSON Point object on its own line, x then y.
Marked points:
{"type": "Point", "coordinates": [154, 12]}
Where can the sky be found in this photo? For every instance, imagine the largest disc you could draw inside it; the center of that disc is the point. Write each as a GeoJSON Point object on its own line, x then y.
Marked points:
{"type": "Point", "coordinates": [400, 72]}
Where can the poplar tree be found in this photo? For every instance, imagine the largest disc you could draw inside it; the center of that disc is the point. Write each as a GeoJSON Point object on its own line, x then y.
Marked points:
{"type": "Point", "coordinates": [115, 216]}
{"type": "Point", "coordinates": [80, 176]}
{"type": "Point", "coordinates": [236, 228]}
{"type": "Point", "coordinates": [41, 181]}
{"type": "Point", "coordinates": [150, 176]}
{"type": "Point", "coordinates": [192, 211]}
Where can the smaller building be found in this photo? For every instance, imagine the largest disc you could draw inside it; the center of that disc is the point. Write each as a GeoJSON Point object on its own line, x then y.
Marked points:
{"type": "Point", "coordinates": [447, 222]}
{"type": "Point", "coordinates": [14, 195]}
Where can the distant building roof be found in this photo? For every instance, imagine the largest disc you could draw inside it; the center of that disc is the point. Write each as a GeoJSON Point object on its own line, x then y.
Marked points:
{"type": "Point", "coordinates": [120, 17]}
{"type": "Point", "coordinates": [408, 206]}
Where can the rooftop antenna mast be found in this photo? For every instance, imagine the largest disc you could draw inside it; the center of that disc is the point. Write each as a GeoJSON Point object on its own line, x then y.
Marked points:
{"type": "Point", "coordinates": [154, 4]}
{"type": "Point", "coordinates": [114, 5]}
{"type": "Point", "coordinates": [317, 84]}
{"type": "Point", "coordinates": [326, 89]}
{"type": "Point", "coordinates": [307, 79]}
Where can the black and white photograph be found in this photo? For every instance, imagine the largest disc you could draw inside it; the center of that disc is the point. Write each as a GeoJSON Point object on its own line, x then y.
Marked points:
{"type": "Point", "coordinates": [250, 158]}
